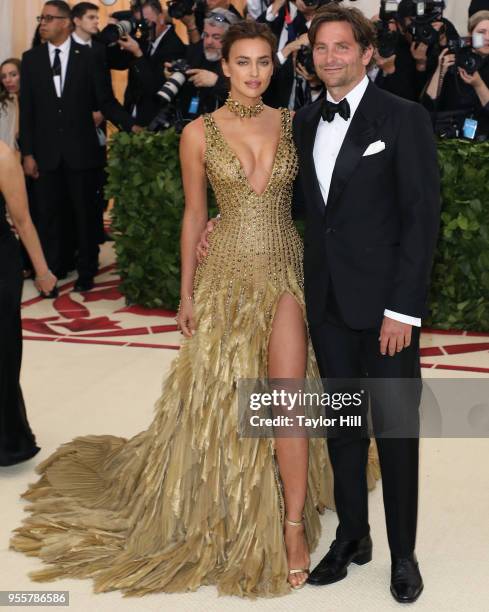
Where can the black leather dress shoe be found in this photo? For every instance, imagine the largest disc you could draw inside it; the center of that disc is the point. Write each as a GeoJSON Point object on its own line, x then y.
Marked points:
{"type": "Point", "coordinates": [84, 284]}
{"type": "Point", "coordinates": [406, 582]}
{"type": "Point", "coordinates": [333, 566]}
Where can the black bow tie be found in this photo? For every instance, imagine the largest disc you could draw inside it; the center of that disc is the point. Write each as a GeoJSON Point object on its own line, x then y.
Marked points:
{"type": "Point", "coordinates": [329, 110]}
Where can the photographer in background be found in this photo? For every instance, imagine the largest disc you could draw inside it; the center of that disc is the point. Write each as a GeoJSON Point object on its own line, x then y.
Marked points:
{"type": "Point", "coordinates": [427, 35]}
{"type": "Point", "coordinates": [85, 16]}
{"type": "Point", "coordinates": [146, 71]}
{"type": "Point", "coordinates": [395, 67]}
{"type": "Point", "coordinates": [207, 86]}
{"type": "Point", "coordinates": [294, 83]}
{"type": "Point", "coordinates": [461, 83]}
{"type": "Point", "coordinates": [196, 84]}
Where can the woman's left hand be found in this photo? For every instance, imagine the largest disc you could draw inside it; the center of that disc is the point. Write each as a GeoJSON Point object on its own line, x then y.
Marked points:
{"type": "Point", "coordinates": [471, 79]}
{"type": "Point", "coordinates": [46, 283]}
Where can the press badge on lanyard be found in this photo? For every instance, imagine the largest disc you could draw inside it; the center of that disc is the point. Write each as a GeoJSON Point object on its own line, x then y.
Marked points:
{"type": "Point", "coordinates": [470, 128]}
{"type": "Point", "coordinates": [194, 105]}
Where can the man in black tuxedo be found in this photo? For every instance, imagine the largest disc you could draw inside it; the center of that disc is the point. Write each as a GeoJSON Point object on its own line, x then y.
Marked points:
{"type": "Point", "coordinates": [146, 71]}
{"type": "Point", "coordinates": [86, 20]}
{"type": "Point", "coordinates": [62, 85]}
{"type": "Point", "coordinates": [370, 190]}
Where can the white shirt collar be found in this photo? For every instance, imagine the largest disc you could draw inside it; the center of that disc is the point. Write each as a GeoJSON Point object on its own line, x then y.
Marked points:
{"type": "Point", "coordinates": [65, 47]}
{"type": "Point", "coordinates": [355, 96]}
{"type": "Point", "coordinates": [80, 40]}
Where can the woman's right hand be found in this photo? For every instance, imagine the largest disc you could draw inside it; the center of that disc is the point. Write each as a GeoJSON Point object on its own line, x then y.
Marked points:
{"type": "Point", "coordinates": [185, 318]}
{"type": "Point", "coordinates": [445, 60]}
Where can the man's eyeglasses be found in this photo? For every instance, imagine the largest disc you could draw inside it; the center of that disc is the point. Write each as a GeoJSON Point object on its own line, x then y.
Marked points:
{"type": "Point", "coordinates": [217, 17]}
{"type": "Point", "coordinates": [48, 18]}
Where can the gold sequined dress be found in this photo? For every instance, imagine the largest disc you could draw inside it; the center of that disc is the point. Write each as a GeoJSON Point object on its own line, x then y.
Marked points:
{"type": "Point", "coordinates": [189, 502]}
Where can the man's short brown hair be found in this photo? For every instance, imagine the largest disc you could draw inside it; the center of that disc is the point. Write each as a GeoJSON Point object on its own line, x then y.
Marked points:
{"type": "Point", "coordinates": [363, 29]}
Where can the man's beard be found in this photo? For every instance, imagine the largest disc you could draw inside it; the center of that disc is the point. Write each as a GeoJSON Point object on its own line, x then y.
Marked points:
{"type": "Point", "coordinates": [212, 55]}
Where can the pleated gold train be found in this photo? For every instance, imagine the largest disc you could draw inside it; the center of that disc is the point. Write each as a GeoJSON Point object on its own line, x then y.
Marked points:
{"type": "Point", "coordinates": [189, 502]}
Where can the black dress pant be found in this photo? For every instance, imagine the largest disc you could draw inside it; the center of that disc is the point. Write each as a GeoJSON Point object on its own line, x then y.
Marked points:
{"type": "Point", "coordinates": [67, 219]}
{"type": "Point", "coordinates": [345, 353]}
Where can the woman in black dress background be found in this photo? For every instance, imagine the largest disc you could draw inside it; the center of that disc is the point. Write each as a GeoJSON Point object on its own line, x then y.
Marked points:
{"type": "Point", "coordinates": [17, 442]}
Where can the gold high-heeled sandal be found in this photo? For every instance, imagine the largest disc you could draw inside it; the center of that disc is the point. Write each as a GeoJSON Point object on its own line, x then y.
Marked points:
{"type": "Point", "coordinates": [302, 570]}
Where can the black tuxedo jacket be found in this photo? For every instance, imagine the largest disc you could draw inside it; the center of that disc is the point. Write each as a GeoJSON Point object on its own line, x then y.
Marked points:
{"type": "Point", "coordinates": [375, 238]}
{"type": "Point", "coordinates": [56, 129]}
{"type": "Point", "coordinates": [146, 77]}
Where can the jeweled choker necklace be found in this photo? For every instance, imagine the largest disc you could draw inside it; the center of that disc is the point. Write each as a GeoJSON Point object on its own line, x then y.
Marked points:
{"type": "Point", "coordinates": [243, 111]}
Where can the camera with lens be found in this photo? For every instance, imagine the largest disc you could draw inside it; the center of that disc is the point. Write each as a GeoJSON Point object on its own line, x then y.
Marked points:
{"type": "Point", "coordinates": [127, 25]}
{"type": "Point", "coordinates": [387, 39]}
{"type": "Point", "coordinates": [304, 57]}
{"type": "Point", "coordinates": [170, 88]}
{"type": "Point", "coordinates": [179, 8]}
{"type": "Point", "coordinates": [169, 116]}
{"type": "Point", "coordinates": [465, 56]}
{"type": "Point", "coordinates": [426, 12]}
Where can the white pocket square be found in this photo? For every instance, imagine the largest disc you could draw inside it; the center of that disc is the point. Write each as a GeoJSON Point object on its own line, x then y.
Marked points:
{"type": "Point", "coordinates": [375, 147]}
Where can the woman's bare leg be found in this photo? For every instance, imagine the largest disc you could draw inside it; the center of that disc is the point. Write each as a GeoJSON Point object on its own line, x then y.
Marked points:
{"type": "Point", "coordinates": [287, 354]}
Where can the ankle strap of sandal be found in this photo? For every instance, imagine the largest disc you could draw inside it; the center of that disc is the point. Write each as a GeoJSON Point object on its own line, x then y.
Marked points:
{"type": "Point", "coordinates": [295, 523]}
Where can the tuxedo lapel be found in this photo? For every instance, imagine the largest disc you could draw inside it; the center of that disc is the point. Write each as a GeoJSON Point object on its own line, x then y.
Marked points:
{"type": "Point", "coordinates": [310, 129]}
{"type": "Point", "coordinates": [72, 67]}
{"type": "Point", "coordinates": [361, 132]}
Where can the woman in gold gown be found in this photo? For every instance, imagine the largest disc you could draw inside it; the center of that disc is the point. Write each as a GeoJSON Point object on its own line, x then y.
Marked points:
{"type": "Point", "coordinates": [189, 501]}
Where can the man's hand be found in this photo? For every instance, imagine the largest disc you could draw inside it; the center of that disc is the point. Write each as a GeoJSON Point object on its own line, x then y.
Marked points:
{"type": "Point", "coordinates": [310, 78]}
{"type": "Point", "coordinates": [296, 44]}
{"type": "Point", "coordinates": [419, 51]}
{"type": "Point", "coordinates": [394, 336]}
{"type": "Point", "coordinates": [276, 6]}
{"type": "Point", "coordinates": [98, 118]}
{"type": "Point", "coordinates": [189, 20]}
{"type": "Point", "coordinates": [202, 78]}
{"type": "Point", "coordinates": [386, 64]}
{"type": "Point", "coordinates": [136, 129]}
{"type": "Point", "coordinates": [203, 244]}
{"type": "Point", "coordinates": [126, 43]}
{"type": "Point", "coordinates": [30, 167]}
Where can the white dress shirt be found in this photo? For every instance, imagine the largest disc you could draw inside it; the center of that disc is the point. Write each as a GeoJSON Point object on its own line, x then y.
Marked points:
{"type": "Point", "coordinates": [255, 8]}
{"type": "Point", "coordinates": [80, 40]}
{"type": "Point", "coordinates": [59, 83]}
{"type": "Point", "coordinates": [329, 140]}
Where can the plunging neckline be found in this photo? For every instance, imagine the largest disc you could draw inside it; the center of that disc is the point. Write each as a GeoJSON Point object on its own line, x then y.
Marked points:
{"type": "Point", "coordinates": [240, 165]}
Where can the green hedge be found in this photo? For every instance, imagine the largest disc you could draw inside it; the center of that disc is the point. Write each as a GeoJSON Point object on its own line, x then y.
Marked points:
{"type": "Point", "coordinates": [144, 180]}
{"type": "Point", "coordinates": [460, 281]}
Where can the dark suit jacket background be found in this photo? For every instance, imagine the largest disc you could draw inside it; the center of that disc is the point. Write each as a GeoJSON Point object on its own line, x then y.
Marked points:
{"type": "Point", "coordinates": [146, 77]}
{"type": "Point", "coordinates": [56, 129]}
{"type": "Point", "coordinates": [376, 237]}
{"type": "Point", "coordinates": [278, 93]}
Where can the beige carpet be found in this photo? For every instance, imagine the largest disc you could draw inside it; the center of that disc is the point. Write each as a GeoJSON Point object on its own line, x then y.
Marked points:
{"type": "Point", "coordinates": [74, 388]}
